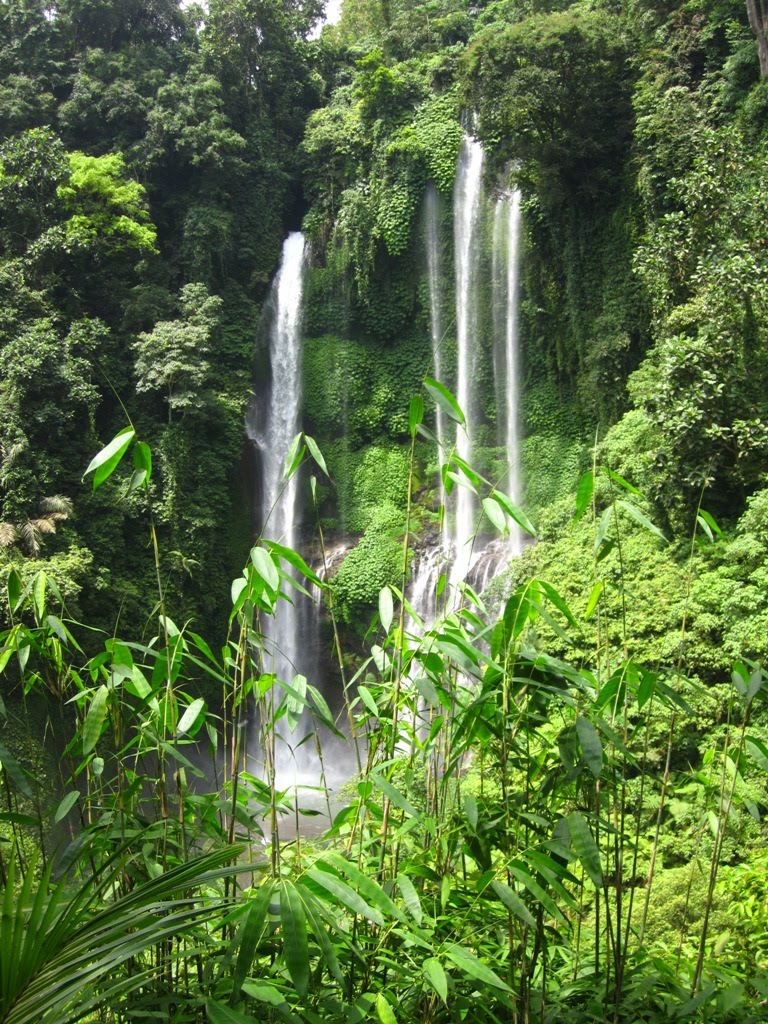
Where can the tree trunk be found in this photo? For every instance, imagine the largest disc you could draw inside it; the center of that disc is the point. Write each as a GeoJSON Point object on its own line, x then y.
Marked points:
{"type": "Point", "coordinates": [757, 11]}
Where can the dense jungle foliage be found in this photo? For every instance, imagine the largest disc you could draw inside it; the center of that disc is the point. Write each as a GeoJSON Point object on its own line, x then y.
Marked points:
{"type": "Point", "coordinates": [558, 811]}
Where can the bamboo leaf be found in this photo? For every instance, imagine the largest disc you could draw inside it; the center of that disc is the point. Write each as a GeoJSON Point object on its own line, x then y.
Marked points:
{"type": "Point", "coordinates": [66, 806]}
{"type": "Point", "coordinates": [640, 517]}
{"type": "Point", "coordinates": [386, 608]}
{"type": "Point", "coordinates": [585, 847]}
{"type": "Point", "coordinates": [293, 457]}
{"type": "Point", "coordinates": [445, 400]}
{"type": "Point", "coordinates": [591, 746]}
{"type": "Point", "coordinates": [617, 479]}
{"type": "Point", "coordinates": [294, 558]}
{"type": "Point", "coordinates": [108, 459]}
{"type": "Point", "coordinates": [495, 514]}
{"type": "Point", "coordinates": [437, 978]}
{"type": "Point", "coordinates": [384, 1010]}
{"type": "Point", "coordinates": [512, 902]}
{"type": "Point", "coordinates": [295, 942]}
{"type": "Point", "coordinates": [515, 512]}
{"type": "Point", "coordinates": [343, 893]}
{"type": "Point", "coordinates": [94, 720]}
{"type": "Point", "coordinates": [584, 493]}
{"type": "Point", "coordinates": [190, 716]}
{"type": "Point", "coordinates": [220, 1013]}
{"type": "Point", "coordinates": [474, 968]}
{"type": "Point", "coordinates": [266, 568]}
{"type": "Point", "coordinates": [415, 414]}
{"type": "Point", "coordinates": [316, 454]}
{"type": "Point", "coordinates": [410, 897]}
{"type": "Point", "coordinates": [594, 598]}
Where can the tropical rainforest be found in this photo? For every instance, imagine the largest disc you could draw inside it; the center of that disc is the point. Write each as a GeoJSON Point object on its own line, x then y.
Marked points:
{"type": "Point", "coordinates": [553, 807]}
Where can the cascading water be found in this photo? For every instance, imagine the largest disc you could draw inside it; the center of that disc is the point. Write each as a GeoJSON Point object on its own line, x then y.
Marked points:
{"type": "Point", "coordinates": [288, 633]}
{"type": "Point", "coordinates": [432, 231]}
{"type": "Point", "coordinates": [468, 195]}
{"type": "Point", "coordinates": [507, 230]}
{"type": "Point", "coordinates": [477, 563]}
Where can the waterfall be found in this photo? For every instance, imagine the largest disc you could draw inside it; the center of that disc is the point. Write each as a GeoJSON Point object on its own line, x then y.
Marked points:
{"type": "Point", "coordinates": [432, 231]}
{"type": "Point", "coordinates": [288, 634]}
{"type": "Point", "coordinates": [506, 260]}
{"type": "Point", "coordinates": [466, 228]}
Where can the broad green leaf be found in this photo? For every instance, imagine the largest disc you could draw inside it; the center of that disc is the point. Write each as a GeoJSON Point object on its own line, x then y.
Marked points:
{"type": "Point", "coordinates": [142, 459]}
{"type": "Point", "coordinates": [515, 512]}
{"type": "Point", "coordinates": [384, 1010]}
{"type": "Point", "coordinates": [640, 517]}
{"type": "Point", "coordinates": [263, 993]}
{"type": "Point", "coordinates": [367, 887]}
{"type": "Point", "coordinates": [415, 414]}
{"type": "Point", "coordinates": [512, 902]}
{"type": "Point", "coordinates": [594, 598]}
{"type": "Point", "coordinates": [591, 746]}
{"type": "Point", "coordinates": [386, 608]}
{"type": "Point", "coordinates": [38, 594]}
{"type": "Point", "coordinates": [343, 894]}
{"type": "Point", "coordinates": [584, 493]}
{"type": "Point", "coordinates": [473, 967]}
{"type": "Point", "coordinates": [293, 458]}
{"type": "Point", "coordinates": [396, 797]}
{"type": "Point", "coordinates": [66, 805]}
{"type": "Point", "coordinates": [410, 897]}
{"type": "Point", "coordinates": [443, 397]}
{"type": "Point", "coordinates": [15, 590]}
{"type": "Point", "coordinates": [437, 978]}
{"type": "Point", "coordinates": [758, 751]}
{"type": "Point", "coordinates": [266, 568]}
{"type": "Point", "coordinates": [368, 699]}
{"type": "Point", "coordinates": [470, 809]}
{"type": "Point", "coordinates": [710, 522]}
{"type": "Point", "coordinates": [220, 1013]}
{"type": "Point", "coordinates": [585, 847]}
{"type": "Point", "coordinates": [555, 598]}
{"type": "Point", "coordinates": [602, 527]}
{"type": "Point", "coordinates": [316, 454]}
{"type": "Point", "coordinates": [94, 719]}
{"type": "Point", "coordinates": [294, 558]}
{"type": "Point", "coordinates": [190, 716]}
{"type": "Point", "coordinates": [295, 937]}
{"type": "Point", "coordinates": [624, 484]}
{"type": "Point", "coordinates": [15, 772]}
{"type": "Point", "coordinates": [495, 514]}
{"type": "Point", "coordinates": [108, 459]}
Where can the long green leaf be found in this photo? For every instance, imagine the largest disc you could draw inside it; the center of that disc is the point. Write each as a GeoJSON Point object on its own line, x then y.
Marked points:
{"type": "Point", "coordinates": [585, 847]}
{"type": "Point", "coordinates": [108, 459]}
{"type": "Point", "coordinates": [296, 947]}
{"type": "Point", "coordinates": [473, 967]}
{"type": "Point", "coordinates": [445, 400]}
{"type": "Point", "coordinates": [591, 746]}
{"type": "Point", "coordinates": [94, 719]}
{"type": "Point", "coordinates": [512, 902]}
{"type": "Point", "coordinates": [437, 978]}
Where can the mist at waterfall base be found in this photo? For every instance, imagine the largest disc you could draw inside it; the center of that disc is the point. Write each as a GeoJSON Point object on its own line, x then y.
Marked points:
{"type": "Point", "coordinates": [292, 638]}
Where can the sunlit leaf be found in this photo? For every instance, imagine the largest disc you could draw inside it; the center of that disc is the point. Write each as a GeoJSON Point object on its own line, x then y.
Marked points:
{"type": "Point", "coordinates": [445, 400]}
{"type": "Point", "coordinates": [108, 459]}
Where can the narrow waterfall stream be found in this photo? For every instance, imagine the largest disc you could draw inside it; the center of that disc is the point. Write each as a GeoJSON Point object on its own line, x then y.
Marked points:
{"type": "Point", "coordinates": [509, 217]}
{"type": "Point", "coordinates": [467, 202]}
{"type": "Point", "coordinates": [288, 634]}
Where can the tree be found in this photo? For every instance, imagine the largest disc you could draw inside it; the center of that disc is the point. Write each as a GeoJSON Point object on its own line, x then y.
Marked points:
{"type": "Point", "coordinates": [172, 357]}
{"type": "Point", "coordinates": [757, 11]}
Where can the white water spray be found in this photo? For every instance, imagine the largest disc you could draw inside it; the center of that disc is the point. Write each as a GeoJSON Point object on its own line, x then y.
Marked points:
{"type": "Point", "coordinates": [467, 207]}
